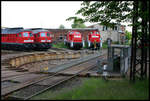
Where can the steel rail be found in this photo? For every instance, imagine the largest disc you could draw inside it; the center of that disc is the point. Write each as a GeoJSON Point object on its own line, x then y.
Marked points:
{"type": "Point", "coordinates": [31, 82]}
{"type": "Point", "coordinates": [62, 81]}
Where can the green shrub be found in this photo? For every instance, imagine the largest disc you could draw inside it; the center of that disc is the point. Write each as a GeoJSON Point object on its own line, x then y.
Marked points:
{"type": "Point", "coordinates": [104, 46]}
{"type": "Point", "coordinates": [59, 45]}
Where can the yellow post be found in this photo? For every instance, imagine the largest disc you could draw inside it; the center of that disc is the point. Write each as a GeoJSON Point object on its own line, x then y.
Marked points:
{"type": "Point", "coordinates": [94, 43]}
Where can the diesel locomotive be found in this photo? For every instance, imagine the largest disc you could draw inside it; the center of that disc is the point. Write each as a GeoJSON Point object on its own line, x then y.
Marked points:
{"type": "Point", "coordinates": [17, 39]}
{"type": "Point", "coordinates": [94, 39]}
{"type": "Point", "coordinates": [74, 39]}
{"type": "Point", "coordinates": [42, 38]}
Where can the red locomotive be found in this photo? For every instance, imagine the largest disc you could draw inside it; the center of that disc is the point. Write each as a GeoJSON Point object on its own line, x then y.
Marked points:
{"type": "Point", "coordinates": [94, 39]}
{"type": "Point", "coordinates": [42, 38]}
{"type": "Point", "coordinates": [17, 39]}
{"type": "Point", "coordinates": [74, 40]}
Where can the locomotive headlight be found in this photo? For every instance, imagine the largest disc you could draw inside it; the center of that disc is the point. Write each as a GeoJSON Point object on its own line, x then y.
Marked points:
{"type": "Point", "coordinates": [95, 36]}
{"type": "Point", "coordinates": [77, 36]}
{"type": "Point", "coordinates": [28, 40]}
{"type": "Point", "coordinates": [48, 40]}
{"type": "Point", "coordinates": [43, 40]}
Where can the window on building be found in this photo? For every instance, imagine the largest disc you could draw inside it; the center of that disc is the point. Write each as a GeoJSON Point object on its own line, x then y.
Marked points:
{"type": "Point", "coordinates": [104, 28]}
{"type": "Point", "coordinates": [116, 28]}
{"type": "Point", "coordinates": [60, 37]}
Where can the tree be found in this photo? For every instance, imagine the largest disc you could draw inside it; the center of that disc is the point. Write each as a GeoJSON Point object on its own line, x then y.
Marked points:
{"type": "Point", "coordinates": [107, 13]}
{"type": "Point", "coordinates": [77, 22]}
{"type": "Point", "coordinates": [128, 35]}
{"type": "Point", "coordinates": [110, 13]}
{"type": "Point", "coordinates": [61, 26]}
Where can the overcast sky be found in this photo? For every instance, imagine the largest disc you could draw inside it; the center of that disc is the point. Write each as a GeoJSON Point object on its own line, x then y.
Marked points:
{"type": "Point", "coordinates": [45, 14]}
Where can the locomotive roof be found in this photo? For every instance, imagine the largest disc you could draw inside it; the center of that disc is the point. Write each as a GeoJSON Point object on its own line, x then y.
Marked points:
{"type": "Point", "coordinates": [12, 30]}
{"type": "Point", "coordinates": [36, 30]}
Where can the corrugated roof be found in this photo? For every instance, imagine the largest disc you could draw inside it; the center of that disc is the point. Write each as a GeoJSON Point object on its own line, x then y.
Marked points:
{"type": "Point", "coordinates": [12, 30]}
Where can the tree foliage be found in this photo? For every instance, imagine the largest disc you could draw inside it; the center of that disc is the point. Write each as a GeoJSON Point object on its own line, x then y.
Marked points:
{"type": "Point", "coordinates": [128, 35]}
{"type": "Point", "coordinates": [77, 22]}
{"type": "Point", "coordinates": [109, 13]}
{"type": "Point", "coordinates": [61, 26]}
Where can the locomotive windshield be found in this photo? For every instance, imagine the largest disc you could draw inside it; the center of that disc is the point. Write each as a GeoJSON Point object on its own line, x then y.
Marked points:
{"type": "Point", "coordinates": [77, 33]}
{"type": "Point", "coordinates": [48, 34]}
{"type": "Point", "coordinates": [25, 34]}
{"type": "Point", "coordinates": [30, 34]}
{"type": "Point", "coordinates": [43, 34]}
{"type": "Point", "coordinates": [96, 32]}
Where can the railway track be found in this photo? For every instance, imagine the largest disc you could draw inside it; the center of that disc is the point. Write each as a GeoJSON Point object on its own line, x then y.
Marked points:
{"type": "Point", "coordinates": [15, 60]}
{"type": "Point", "coordinates": [51, 78]}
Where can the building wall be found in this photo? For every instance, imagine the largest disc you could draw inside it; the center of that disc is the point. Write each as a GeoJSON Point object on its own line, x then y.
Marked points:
{"type": "Point", "coordinates": [59, 34]}
{"type": "Point", "coordinates": [114, 34]}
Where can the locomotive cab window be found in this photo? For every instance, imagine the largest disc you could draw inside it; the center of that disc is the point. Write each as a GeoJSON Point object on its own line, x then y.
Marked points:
{"type": "Point", "coordinates": [77, 33]}
{"type": "Point", "coordinates": [30, 34]}
{"type": "Point", "coordinates": [97, 32]}
{"type": "Point", "coordinates": [38, 35]}
{"type": "Point", "coordinates": [43, 34]}
{"type": "Point", "coordinates": [19, 34]}
{"type": "Point", "coordinates": [48, 34]}
{"type": "Point", "coordinates": [25, 34]}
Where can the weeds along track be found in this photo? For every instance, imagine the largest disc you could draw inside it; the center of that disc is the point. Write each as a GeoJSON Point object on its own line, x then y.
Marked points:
{"type": "Point", "coordinates": [32, 87]}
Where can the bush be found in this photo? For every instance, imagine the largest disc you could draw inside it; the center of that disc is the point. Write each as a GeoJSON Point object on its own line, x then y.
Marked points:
{"type": "Point", "coordinates": [59, 45]}
{"type": "Point", "coordinates": [104, 46]}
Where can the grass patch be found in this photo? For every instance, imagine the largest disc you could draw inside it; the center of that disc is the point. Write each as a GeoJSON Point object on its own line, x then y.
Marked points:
{"type": "Point", "coordinates": [59, 45]}
{"type": "Point", "coordinates": [96, 88]}
{"type": "Point", "coordinates": [104, 46]}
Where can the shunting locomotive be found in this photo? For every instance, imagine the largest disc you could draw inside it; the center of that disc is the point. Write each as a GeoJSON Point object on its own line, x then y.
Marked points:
{"type": "Point", "coordinates": [17, 39]}
{"type": "Point", "coordinates": [94, 39]}
{"type": "Point", "coordinates": [42, 38]}
{"type": "Point", "coordinates": [74, 40]}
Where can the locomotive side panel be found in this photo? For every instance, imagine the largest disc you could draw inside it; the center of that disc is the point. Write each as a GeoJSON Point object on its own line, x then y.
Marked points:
{"type": "Point", "coordinates": [13, 40]}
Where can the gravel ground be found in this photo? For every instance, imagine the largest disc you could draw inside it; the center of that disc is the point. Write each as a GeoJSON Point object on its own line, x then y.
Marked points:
{"type": "Point", "coordinates": [7, 83]}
